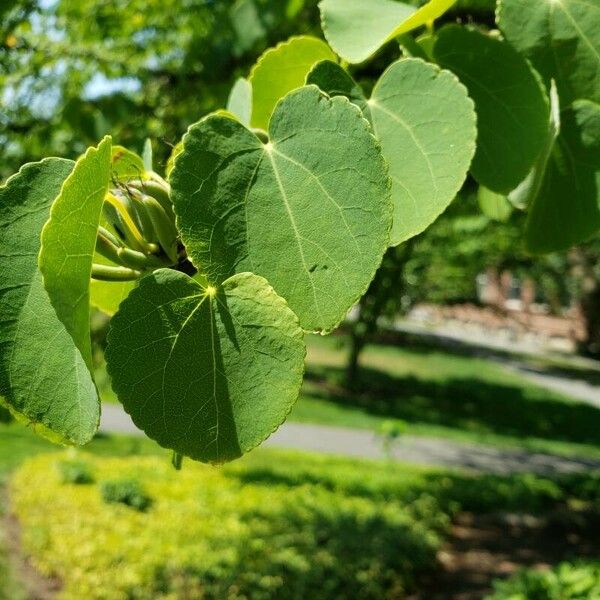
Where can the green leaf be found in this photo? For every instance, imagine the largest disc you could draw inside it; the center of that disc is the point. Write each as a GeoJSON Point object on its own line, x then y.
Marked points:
{"type": "Point", "coordinates": [69, 242]}
{"type": "Point", "coordinates": [280, 70]}
{"type": "Point", "coordinates": [522, 196]}
{"type": "Point", "coordinates": [209, 373]}
{"type": "Point", "coordinates": [567, 209]}
{"type": "Point", "coordinates": [511, 103]}
{"type": "Point", "coordinates": [494, 206]}
{"type": "Point", "coordinates": [426, 125]}
{"type": "Point", "coordinates": [126, 164]}
{"type": "Point", "coordinates": [240, 101]}
{"type": "Point", "coordinates": [422, 47]}
{"type": "Point", "coordinates": [312, 221]}
{"type": "Point", "coordinates": [562, 40]}
{"type": "Point", "coordinates": [356, 29]}
{"type": "Point", "coordinates": [147, 155]}
{"type": "Point", "coordinates": [335, 81]}
{"type": "Point", "coordinates": [43, 377]}
{"type": "Point", "coordinates": [425, 122]}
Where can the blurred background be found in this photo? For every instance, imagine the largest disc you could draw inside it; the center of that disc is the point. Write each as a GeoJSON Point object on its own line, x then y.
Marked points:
{"type": "Point", "coordinates": [447, 440]}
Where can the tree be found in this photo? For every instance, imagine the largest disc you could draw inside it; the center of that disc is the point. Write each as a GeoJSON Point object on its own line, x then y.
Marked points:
{"type": "Point", "coordinates": [73, 71]}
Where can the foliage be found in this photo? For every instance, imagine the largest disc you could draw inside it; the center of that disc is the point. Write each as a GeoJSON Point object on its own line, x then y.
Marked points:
{"type": "Point", "coordinates": [356, 30]}
{"type": "Point", "coordinates": [566, 581]}
{"type": "Point", "coordinates": [275, 523]}
{"type": "Point", "coordinates": [75, 70]}
{"type": "Point", "coordinates": [5, 416]}
{"type": "Point", "coordinates": [75, 471]}
{"type": "Point", "coordinates": [260, 348]}
{"type": "Point", "coordinates": [215, 534]}
{"type": "Point", "coordinates": [125, 491]}
{"type": "Point", "coordinates": [31, 379]}
{"type": "Point", "coordinates": [268, 228]}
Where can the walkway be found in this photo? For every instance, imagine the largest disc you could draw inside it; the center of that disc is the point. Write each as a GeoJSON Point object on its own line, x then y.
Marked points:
{"type": "Point", "coordinates": [506, 354]}
{"type": "Point", "coordinates": [361, 443]}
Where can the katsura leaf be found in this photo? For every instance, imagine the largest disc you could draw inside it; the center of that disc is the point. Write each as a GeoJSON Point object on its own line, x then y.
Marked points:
{"type": "Point", "coordinates": [425, 122]}
{"type": "Point", "coordinates": [510, 100]}
{"type": "Point", "coordinates": [43, 376]}
{"type": "Point", "coordinates": [240, 101]}
{"type": "Point", "coordinates": [336, 81]}
{"type": "Point", "coordinates": [566, 210]}
{"type": "Point", "coordinates": [522, 196]}
{"type": "Point", "coordinates": [422, 47]}
{"type": "Point", "coordinates": [69, 243]}
{"type": "Point", "coordinates": [280, 70]}
{"type": "Point", "coordinates": [310, 210]}
{"type": "Point", "coordinates": [494, 206]}
{"type": "Point", "coordinates": [356, 29]}
{"type": "Point", "coordinates": [209, 373]}
{"type": "Point", "coordinates": [562, 40]}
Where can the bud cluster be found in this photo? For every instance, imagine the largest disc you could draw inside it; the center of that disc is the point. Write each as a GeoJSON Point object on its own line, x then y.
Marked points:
{"type": "Point", "coordinates": [140, 234]}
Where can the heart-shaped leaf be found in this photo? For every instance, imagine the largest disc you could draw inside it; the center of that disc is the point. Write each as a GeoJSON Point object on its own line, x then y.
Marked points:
{"type": "Point", "coordinates": [334, 80]}
{"type": "Point", "coordinates": [566, 210]}
{"type": "Point", "coordinates": [210, 372]}
{"type": "Point", "coordinates": [310, 211]}
{"type": "Point", "coordinates": [510, 100]}
{"type": "Point", "coordinates": [356, 29]}
{"type": "Point", "coordinates": [425, 123]}
{"type": "Point", "coordinates": [43, 376]}
{"type": "Point", "coordinates": [280, 70]}
{"type": "Point", "coordinates": [562, 40]}
{"type": "Point", "coordinates": [240, 101]}
{"type": "Point", "coordinates": [69, 243]}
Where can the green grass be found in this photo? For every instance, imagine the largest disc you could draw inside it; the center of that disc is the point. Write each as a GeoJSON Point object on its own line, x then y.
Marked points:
{"type": "Point", "coordinates": [427, 493]}
{"type": "Point", "coordinates": [438, 393]}
{"type": "Point", "coordinates": [18, 443]}
{"type": "Point", "coordinates": [441, 394]}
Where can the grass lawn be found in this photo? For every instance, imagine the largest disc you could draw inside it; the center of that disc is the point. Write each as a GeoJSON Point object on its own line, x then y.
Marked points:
{"type": "Point", "coordinates": [438, 393]}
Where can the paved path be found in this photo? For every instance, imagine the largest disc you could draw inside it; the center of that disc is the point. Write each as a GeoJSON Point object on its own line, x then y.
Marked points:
{"type": "Point", "coordinates": [578, 389]}
{"type": "Point", "coordinates": [572, 387]}
{"type": "Point", "coordinates": [418, 450]}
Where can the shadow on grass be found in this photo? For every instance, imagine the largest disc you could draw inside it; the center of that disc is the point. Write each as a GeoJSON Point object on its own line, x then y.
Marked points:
{"type": "Point", "coordinates": [451, 491]}
{"type": "Point", "coordinates": [468, 404]}
{"type": "Point", "coordinates": [425, 342]}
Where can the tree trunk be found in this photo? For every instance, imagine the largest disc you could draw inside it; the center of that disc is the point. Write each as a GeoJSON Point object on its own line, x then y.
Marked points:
{"type": "Point", "coordinates": [383, 296]}
{"type": "Point", "coordinates": [590, 305]}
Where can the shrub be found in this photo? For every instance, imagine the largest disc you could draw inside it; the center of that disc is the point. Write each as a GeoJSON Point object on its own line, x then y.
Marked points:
{"type": "Point", "coordinates": [212, 533]}
{"type": "Point", "coordinates": [567, 581]}
{"type": "Point", "coordinates": [5, 416]}
{"type": "Point", "coordinates": [75, 472]}
{"type": "Point", "coordinates": [125, 491]}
